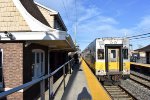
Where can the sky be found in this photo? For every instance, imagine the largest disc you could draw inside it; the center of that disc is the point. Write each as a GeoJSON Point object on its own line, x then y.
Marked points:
{"type": "Point", "coordinates": [103, 18]}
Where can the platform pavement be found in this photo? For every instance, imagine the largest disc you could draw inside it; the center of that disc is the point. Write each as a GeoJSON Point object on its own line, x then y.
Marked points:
{"type": "Point", "coordinates": [80, 85]}
{"type": "Point", "coordinates": [77, 88]}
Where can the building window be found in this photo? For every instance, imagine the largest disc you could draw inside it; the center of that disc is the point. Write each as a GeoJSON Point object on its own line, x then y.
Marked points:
{"type": "Point", "coordinates": [1, 68]}
{"type": "Point", "coordinates": [100, 53]}
{"type": "Point", "coordinates": [38, 64]}
{"type": "Point", "coordinates": [125, 53]}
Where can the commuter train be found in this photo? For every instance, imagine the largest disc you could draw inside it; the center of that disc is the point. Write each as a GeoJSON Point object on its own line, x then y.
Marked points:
{"type": "Point", "coordinates": [108, 58]}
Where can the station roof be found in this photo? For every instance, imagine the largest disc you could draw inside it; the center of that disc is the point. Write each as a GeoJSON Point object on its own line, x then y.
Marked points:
{"type": "Point", "coordinates": [50, 12]}
{"type": "Point", "coordinates": [144, 49]}
{"type": "Point", "coordinates": [25, 20]}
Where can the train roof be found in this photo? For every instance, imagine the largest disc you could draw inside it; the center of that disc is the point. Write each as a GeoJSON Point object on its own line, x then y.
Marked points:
{"type": "Point", "coordinates": [105, 38]}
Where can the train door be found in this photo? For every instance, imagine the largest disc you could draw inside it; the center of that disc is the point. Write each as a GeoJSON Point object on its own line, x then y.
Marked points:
{"type": "Point", "coordinates": [113, 59]}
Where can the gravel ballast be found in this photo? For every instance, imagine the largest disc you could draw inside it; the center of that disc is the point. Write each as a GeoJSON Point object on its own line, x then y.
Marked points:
{"type": "Point", "coordinates": [140, 92]}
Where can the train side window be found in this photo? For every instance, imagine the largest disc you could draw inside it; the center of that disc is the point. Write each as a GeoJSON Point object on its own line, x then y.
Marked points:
{"type": "Point", "coordinates": [100, 53]}
{"type": "Point", "coordinates": [125, 53]}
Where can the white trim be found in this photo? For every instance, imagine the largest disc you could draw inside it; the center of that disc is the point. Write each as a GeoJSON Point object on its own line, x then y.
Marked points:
{"type": "Point", "coordinates": [51, 10]}
{"type": "Point", "coordinates": [33, 23]}
{"type": "Point", "coordinates": [53, 35]}
{"type": "Point", "coordinates": [40, 36]}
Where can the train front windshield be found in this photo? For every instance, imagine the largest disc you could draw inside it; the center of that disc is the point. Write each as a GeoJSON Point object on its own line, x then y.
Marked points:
{"type": "Point", "coordinates": [100, 54]}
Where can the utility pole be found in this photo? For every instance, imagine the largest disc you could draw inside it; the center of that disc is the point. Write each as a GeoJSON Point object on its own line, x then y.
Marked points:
{"type": "Point", "coordinates": [75, 22]}
{"type": "Point", "coordinates": [75, 33]}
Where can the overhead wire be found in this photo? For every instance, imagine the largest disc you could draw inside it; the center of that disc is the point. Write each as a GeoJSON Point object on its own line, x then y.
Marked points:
{"type": "Point", "coordinates": [138, 35]}
{"type": "Point", "coordinates": [65, 9]}
{"type": "Point", "coordinates": [75, 20]}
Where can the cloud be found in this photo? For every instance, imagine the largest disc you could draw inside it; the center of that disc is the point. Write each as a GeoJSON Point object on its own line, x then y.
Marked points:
{"type": "Point", "coordinates": [88, 14]}
{"type": "Point", "coordinates": [92, 23]}
{"type": "Point", "coordinates": [143, 26]}
{"type": "Point", "coordinates": [145, 22]}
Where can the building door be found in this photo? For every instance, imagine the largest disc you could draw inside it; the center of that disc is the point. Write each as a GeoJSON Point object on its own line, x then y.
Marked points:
{"type": "Point", "coordinates": [113, 60]}
{"type": "Point", "coordinates": [38, 64]}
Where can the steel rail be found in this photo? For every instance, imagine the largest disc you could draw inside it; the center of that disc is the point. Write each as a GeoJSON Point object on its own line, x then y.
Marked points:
{"type": "Point", "coordinates": [131, 95]}
{"type": "Point", "coordinates": [140, 77]}
{"type": "Point", "coordinates": [121, 90]}
{"type": "Point", "coordinates": [138, 82]}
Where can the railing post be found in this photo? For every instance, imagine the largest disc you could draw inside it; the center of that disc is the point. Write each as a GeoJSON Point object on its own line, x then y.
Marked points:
{"type": "Point", "coordinates": [69, 67]}
{"type": "Point", "coordinates": [71, 62]}
{"type": "Point", "coordinates": [51, 88]}
{"type": "Point", "coordinates": [42, 88]}
{"type": "Point", "coordinates": [64, 75]}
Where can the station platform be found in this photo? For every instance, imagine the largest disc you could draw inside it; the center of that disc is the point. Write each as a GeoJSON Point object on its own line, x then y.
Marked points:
{"type": "Point", "coordinates": [140, 68]}
{"type": "Point", "coordinates": [81, 85]}
{"type": "Point", "coordinates": [140, 64]}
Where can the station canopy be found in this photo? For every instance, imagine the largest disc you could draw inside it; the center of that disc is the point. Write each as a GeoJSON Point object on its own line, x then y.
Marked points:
{"type": "Point", "coordinates": [32, 22]}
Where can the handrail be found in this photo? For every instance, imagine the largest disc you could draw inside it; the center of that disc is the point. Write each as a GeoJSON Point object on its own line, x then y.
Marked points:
{"type": "Point", "coordinates": [28, 84]}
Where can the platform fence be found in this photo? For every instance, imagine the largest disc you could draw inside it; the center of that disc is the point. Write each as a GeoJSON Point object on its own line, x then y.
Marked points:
{"type": "Point", "coordinates": [41, 80]}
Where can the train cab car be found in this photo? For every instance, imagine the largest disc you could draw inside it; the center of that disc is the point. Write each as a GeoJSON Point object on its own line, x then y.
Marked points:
{"type": "Point", "coordinates": [108, 58]}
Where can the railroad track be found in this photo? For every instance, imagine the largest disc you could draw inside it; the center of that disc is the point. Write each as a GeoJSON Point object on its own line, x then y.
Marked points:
{"type": "Point", "coordinates": [147, 77]}
{"type": "Point", "coordinates": [140, 80]}
{"type": "Point", "coordinates": [119, 93]}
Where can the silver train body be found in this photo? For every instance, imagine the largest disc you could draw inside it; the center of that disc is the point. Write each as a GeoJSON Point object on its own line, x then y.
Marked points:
{"type": "Point", "coordinates": [108, 58]}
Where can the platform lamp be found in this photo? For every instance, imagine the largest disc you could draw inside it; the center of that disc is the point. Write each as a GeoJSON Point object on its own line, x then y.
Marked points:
{"type": "Point", "coordinates": [9, 35]}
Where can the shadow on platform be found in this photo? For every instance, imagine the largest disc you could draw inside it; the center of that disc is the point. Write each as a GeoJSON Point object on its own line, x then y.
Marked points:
{"type": "Point", "coordinates": [76, 69]}
{"type": "Point", "coordinates": [84, 95]}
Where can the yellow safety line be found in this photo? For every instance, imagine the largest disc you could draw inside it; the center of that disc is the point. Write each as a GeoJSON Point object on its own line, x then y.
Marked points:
{"type": "Point", "coordinates": [96, 89]}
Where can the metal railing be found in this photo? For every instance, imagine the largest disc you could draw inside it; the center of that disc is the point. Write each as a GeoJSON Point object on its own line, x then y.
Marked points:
{"type": "Point", "coordinates": [42, 82]}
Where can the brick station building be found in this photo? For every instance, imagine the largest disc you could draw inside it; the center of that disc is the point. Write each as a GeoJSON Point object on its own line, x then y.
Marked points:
{"type": "Point", "coordinates": [33, 42]}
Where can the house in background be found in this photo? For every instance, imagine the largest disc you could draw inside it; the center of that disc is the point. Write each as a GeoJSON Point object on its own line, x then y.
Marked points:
{"type": "Point", "coordinates": [33, 42]}
{"type": "Point", "coordinates": [144, 55]}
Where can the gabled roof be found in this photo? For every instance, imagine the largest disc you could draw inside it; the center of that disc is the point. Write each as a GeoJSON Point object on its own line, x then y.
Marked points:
{"type": "Point", "coordinates": [31, 8]}
{"type": "Point", "coordinates": [25, 15]}
{"type": "Point", "coordinates": [145, 49]}
{"type": "Point", "coordinates": [24, 21]}
{"type": "Point", "coordinates": [21, 15]}
{"type": "Point", "coordinates": [52, 12]}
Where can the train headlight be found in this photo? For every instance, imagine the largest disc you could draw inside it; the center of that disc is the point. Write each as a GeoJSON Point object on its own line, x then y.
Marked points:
{"type": "Point", "coordinates": [126, 71]}
{"type": "Point", "coordinates": [101, 71]}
